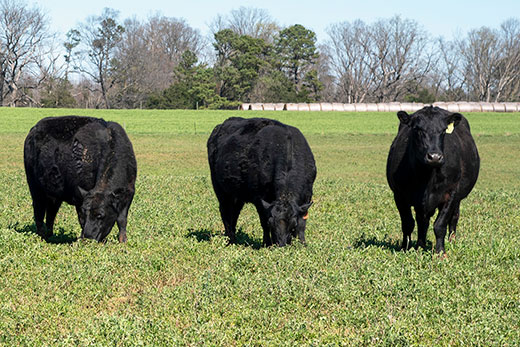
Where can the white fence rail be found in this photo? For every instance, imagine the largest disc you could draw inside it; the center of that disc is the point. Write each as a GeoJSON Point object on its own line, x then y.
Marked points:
{"type": "Point", "coordinates": [385, 107]}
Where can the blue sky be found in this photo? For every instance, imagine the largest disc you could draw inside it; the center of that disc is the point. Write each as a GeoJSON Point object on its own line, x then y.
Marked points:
{"type": "Point", "coordinates": [440, 18]}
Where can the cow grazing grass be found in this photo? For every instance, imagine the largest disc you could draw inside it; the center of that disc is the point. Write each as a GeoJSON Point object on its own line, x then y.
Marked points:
{"type": "Point", "coordinates": [177, 282]}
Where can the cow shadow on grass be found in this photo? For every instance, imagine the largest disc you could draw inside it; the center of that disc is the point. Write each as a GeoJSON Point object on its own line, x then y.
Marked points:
{"type": "Point", "coordinates": [242, 238]}
{"type": "Point", "coordinates": [392, 245]}
{"type": "Point", "coordinates": [60, 236]}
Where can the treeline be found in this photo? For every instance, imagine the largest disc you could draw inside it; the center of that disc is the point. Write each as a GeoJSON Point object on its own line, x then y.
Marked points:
{"type": "Point", "coordinates": [163, 62]}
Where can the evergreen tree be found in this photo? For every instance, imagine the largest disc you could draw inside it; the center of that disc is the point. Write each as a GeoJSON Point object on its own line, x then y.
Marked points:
{"type": "Point", "coordinates": [240, 59]}
{"type": "Point", "coordinates": [194, 86]}
{"type": "Point", "coordinates": [297, 56]}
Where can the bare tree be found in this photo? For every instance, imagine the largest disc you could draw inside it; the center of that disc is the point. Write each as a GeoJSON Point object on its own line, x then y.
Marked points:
{"type": "Point", "coordinates": [347, 52]}
{"type": "Point", "coordinates": [147, 55]}
{"type": "Point", "coordinates": [491, 62]}
{"type": "Point", "coordinates": [99, 38]}
{"type": "Point", "coordinates": [24, 40]}
{"type": "Point", "coordinates": [449, 77]}
{"type": "Point", "coordinates": [72, 41]}
{"type": "Point", "coordinates": [86, 93]}
{"type": "Point", "coordinates": [172, 37]}
{"type": "Point", "coordinates": [49, 74]}
{"type": "Point", "coordinates": [508, 67]}
{"type": "Point", "coordinates": [325, 75]}
{"type": "Point", "coordinates": [138, 70]}
{"type": "Point", "coordinates": [481, 56]}
{"type": "Point", "coordinates": [380, 62]}
{"type": "Point", "coordinates": [400, 57]}
{"type": "Point", "coordinates": [250, 21]}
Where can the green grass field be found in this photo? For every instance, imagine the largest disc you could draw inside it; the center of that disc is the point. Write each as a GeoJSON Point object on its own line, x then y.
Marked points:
{"type": "Point", "coordinates": [177, 283]}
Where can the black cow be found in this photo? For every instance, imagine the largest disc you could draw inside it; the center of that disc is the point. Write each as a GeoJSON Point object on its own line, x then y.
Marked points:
{"type": "Point", "coordinates": [269, 164]}
{"type": "Point", "coordinates": [433, 164]}
{"type": "Point", "coordinates": [86, 162]}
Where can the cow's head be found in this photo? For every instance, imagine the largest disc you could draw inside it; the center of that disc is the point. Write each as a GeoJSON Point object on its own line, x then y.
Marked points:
{"type": "Point", "coordinates": [98, 213]}
{"type": "Point", "coordinates": [286, 220]}
{"type": "Point", "coordinates": [428, 128]}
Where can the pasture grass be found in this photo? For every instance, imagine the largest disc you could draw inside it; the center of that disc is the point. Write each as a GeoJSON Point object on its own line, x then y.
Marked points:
{"type": "Point", "coordinates": [176, 282]}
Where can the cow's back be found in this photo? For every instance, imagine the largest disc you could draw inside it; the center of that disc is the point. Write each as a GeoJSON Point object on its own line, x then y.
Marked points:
{"type": "Point", "coordinates": [124, 165]}
{"type": "Point", "coordinates": [254, 158]}
{"type": "Point", "coordinates": [61, 153]}
{"type": "Point", "coordinates": [233, 153]}
{"type": "Point", "coordinates": [286, 161]}
{"type": "Point", "coordinates": [235, 130]}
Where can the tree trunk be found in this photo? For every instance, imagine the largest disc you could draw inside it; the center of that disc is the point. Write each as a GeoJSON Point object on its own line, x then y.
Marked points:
{"type": "Point", "coordinates": [2, 81]}
{"type": "Point", "coordinates": [103, 90]}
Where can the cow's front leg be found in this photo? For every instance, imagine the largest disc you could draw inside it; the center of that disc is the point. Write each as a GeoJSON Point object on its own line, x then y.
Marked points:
{"type": "Point", "coordinates": [266, 241]}
{"type": "Point", "coordinates": [423, 222]}
{"type": "Point", "coordinates": [121, 224]}
{"type": "Point", "coordinates": [81, 219]}
{"type": "Point", "coordinates": [407, 223]}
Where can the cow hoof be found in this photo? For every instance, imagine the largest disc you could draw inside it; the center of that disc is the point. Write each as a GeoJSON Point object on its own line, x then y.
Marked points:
{"type": "Point", "coordinates": [421, 244]}
{"type": "Point", "coordinates": [441, 255]}
{"type": "Point", "coordinates": [45, 234]}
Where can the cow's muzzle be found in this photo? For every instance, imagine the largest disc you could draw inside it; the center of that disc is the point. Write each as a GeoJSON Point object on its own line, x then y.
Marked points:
{"type": "Point", "coordinates": [434, 159]}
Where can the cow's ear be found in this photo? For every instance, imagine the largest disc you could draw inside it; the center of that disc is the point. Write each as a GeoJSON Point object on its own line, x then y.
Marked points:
{"type": "Point", "coordinates": [305, 207]}
{"type": "Point", "coordinates": [82, 191]}
{"type": "Point", "coordinates": [265, 204]}
{"type": "Point", "coordinates": [117, 198]}
{"type": "Point", "coordinates": [403, 117]}
{"type": "Point", "coordinates": [454, 118]}
{"type": "Point", "coordinates": [118, 193]}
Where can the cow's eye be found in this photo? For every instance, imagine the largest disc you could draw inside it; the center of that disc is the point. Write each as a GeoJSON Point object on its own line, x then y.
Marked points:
{"type": "Point", "coordinates": [100, 215]}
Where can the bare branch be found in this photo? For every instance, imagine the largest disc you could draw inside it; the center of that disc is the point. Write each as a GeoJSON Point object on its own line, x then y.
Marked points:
{"type": "Point", "coordinates": [24, 36]}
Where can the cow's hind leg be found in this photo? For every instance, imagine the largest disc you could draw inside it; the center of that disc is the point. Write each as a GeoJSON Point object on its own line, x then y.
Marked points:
{"type": "Point", "coordinates": [52, 210]}
{"type": "Point", "coordinates": [39, 207]}
{"type": "Point", "coordinates": [407, 223]}
{"type": "Point", "coordinates": [229, 211]}
{"type": "Point", "coordinates": [441, 223]}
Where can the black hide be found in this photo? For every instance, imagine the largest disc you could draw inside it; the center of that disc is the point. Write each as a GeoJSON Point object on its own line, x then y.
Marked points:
{"type": "Point", "coordinates": [433, 163]}
{"type": "Point", "coordinates": [268, 164]}
{"type": "Point", "coordinates": [86, 162]}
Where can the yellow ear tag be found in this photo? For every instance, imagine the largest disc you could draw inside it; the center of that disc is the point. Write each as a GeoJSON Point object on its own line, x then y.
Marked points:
{"type": "Point", "coordinates": [450, 128]}
{"type": "Point", "coordinates": [306, 215]}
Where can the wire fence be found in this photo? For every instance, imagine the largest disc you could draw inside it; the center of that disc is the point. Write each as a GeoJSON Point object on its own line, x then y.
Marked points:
{"type": "Point", "coordinates": [385, 107]}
